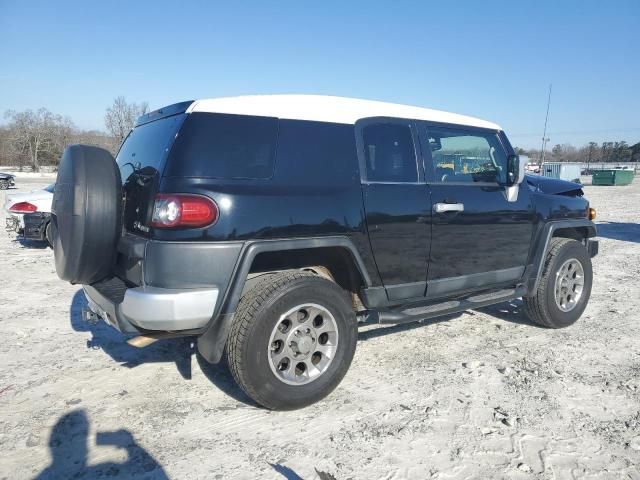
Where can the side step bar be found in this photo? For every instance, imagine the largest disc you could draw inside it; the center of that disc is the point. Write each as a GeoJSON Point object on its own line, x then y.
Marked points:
{"type": "Point", "coordinates": [416, 314]}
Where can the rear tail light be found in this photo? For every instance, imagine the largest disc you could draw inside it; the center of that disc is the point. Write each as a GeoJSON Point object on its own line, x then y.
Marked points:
{"type": "Point", "coordinates": [23, 207]}
{"type": "Point", "coordinates": [181, 210]}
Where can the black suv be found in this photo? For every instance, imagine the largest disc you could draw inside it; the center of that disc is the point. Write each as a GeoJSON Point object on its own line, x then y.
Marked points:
{"type": "Point", "coordinates": [269, 227]}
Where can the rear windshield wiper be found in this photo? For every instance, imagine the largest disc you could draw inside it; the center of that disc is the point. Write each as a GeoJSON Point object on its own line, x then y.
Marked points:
{"type": "Point", "coordinates": [141, 177]}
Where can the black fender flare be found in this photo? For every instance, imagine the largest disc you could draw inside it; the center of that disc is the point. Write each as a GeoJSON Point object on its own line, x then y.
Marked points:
{"type": "Point", "coordinates": [212, 341]}
{"type": "Point", "coordinates": [541, 244]}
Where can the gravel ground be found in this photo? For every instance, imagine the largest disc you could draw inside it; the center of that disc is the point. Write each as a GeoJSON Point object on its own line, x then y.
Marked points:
{"type": "Point", "coordinates": [483, 394]}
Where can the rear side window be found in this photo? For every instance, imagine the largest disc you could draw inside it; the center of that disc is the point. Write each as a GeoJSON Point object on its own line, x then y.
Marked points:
{"type": "Point", "coordinates": [146, 146]}
{"type": "Point", "coordinates": [389, 153]}
{"type": "Point", "coordinates": [224, 146]}
{"type": "Point", "coordinates": [316, 152]}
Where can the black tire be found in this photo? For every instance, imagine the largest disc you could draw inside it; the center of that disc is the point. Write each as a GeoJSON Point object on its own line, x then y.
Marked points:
{"type": "Point", "coordinates": [542, 307]}
{"type": "Point", "coordinates": [4, 184]}
{"type": "Point", "coordinates": [86, 214]}
{"type": "Point", "coordinates": [256, 318]}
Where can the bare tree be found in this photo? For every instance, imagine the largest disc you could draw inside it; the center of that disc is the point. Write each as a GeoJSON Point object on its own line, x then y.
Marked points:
{"type": "Point", "coordinates": [121, 116]}
{"type": "Point", "coordinates": [39, 138]}
{"type": "Point", "coordinates": [97, 138]}
{"type": "Point", "coordinates": [36, 133]}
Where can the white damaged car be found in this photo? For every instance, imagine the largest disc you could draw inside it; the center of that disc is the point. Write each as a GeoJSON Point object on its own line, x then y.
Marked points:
{"type": "Point", "coordinates": [29, 213]}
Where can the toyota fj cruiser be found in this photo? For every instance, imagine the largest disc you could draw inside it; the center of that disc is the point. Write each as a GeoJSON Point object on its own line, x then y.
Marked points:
{"type": "Point", "coordinates": [269, 227]}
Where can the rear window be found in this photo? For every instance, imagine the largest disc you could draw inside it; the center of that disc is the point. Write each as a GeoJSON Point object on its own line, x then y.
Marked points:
{"type": "Point", "coordinates": [224, 146]}
{"type": "Point", "coordinates": [147, 146]}
{"type": "Point", "coordinates": [389, 153]}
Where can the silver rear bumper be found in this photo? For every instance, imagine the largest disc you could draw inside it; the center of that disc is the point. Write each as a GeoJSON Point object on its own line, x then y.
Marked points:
{"type": "Point", "coordinates": [152, 308]}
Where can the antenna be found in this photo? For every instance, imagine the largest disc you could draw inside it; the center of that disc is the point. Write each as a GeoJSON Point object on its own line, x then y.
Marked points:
{"type": "Point", "coordinates": [544, 134]}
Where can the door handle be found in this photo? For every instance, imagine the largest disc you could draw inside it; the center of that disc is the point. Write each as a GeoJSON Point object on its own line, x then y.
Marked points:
{"type": "Point", "coordinates": [448, 207]}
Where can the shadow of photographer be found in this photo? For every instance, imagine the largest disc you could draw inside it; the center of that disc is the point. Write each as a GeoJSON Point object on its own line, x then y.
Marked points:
{"type": "Point", "coordinates": [69, 451]}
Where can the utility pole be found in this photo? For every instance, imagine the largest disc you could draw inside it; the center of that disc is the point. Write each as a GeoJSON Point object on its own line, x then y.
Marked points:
{"type": "Point", "coordinates": [544, 134]}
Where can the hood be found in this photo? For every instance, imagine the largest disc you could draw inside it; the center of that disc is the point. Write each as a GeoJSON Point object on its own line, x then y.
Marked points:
{"type": "Point", "coordinates": [553, 186]}
{"type": "Point", "coordinates": [5, 175]}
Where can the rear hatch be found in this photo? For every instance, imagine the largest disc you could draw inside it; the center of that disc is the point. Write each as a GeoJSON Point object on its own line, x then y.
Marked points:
{"type": "Point", "coordinates": [141, 159]}
{"type": "Point", "coordinates": [189, 151]}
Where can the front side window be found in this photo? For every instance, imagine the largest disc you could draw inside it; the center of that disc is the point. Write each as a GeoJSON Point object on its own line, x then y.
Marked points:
{"type": "Point", "coordinates": [389, 153]}
{"type": "Point", "coordinates": [465, 156]}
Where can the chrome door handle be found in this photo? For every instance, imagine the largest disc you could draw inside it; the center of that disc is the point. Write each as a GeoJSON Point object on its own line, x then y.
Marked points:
{"type": "Point", "coordinates": [448, 207]}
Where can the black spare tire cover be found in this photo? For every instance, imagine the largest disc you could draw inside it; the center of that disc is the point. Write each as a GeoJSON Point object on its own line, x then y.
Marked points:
{"type": "Point", "coordinates": [86, 214]}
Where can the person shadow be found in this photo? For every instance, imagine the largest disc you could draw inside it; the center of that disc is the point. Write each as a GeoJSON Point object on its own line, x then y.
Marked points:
{"type": "Point", "coordinates": [69, 451]}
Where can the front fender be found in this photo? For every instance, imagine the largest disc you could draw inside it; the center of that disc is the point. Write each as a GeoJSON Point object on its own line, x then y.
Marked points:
{"type": "Point", "coordinates": [585, 229]}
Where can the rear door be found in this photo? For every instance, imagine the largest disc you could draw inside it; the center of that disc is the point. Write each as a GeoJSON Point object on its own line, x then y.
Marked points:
{"type": "Point", "coordinates": [141, 160]}
{"type": "Point", "coordinates": [479, 238]}
{"type": "Point", "coordinates": [397, 204]}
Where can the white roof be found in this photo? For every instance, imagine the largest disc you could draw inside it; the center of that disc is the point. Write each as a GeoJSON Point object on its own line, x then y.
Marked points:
{"type": "Point", "coordinates": [323, 108]}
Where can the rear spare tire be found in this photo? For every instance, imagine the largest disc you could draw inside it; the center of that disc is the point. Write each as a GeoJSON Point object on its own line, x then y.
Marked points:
{"type": "Point", "coordinates": [86, 214]}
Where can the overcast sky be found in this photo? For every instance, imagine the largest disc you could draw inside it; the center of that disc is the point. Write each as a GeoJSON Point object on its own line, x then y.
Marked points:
{"type": "Point", "coordinates": [490, 59]}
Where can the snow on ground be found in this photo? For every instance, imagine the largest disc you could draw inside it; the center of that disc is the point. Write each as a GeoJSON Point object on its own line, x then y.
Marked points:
{"type": "Point", "coordinates": [483, 394]}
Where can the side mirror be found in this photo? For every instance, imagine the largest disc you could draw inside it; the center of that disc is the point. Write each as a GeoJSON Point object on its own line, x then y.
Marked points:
{"type": "Point", "coordinates": [515, 170]}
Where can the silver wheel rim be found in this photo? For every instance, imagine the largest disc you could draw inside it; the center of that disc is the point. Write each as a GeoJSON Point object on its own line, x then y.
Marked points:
{"type": "Point", "coordinates": [303, 344]}
{"type": "Point", "coordinates": [569, 285]}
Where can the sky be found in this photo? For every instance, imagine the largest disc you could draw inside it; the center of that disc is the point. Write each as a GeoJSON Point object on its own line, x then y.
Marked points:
{"type": "Point", "coordinates": [490, 59]}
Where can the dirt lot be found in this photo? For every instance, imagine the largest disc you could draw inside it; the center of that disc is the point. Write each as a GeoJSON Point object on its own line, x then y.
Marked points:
{"type": "Point", "coordinates": [484, 394]}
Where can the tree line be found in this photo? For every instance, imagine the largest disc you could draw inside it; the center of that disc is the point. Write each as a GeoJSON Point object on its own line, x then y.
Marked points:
{"type": "Point", "coordinates": [33, 138]}
{"type": "Point", "coordinates": [592, 152]}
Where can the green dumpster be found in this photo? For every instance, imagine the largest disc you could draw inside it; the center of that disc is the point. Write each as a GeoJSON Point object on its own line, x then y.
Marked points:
{"type": "Point", "coordinates": [612, 177]}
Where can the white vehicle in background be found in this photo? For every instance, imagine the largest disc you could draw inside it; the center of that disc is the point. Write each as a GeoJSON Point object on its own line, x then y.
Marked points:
{"type": "Point", "coordinates": [35, 206]}
{"type": "Point", "coordinates": [532, 168]}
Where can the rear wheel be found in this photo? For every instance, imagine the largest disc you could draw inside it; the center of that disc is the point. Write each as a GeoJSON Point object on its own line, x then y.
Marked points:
{"type": "Point", "coordinates": [564, 286]}
{"type": "Point", "coordinates": [292, 340]}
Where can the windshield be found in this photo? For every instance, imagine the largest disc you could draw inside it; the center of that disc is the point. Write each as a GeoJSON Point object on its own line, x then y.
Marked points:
{"type": "Point", "coordinates": [146, 147]}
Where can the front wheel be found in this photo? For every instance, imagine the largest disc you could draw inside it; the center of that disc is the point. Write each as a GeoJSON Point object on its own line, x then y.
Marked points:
{"type": "Point", "coordinates": [292, 340]}
{"type": "Point", "coordinates": [564, 286]}
{"type": "Point", "coordinates": [4, 184]}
